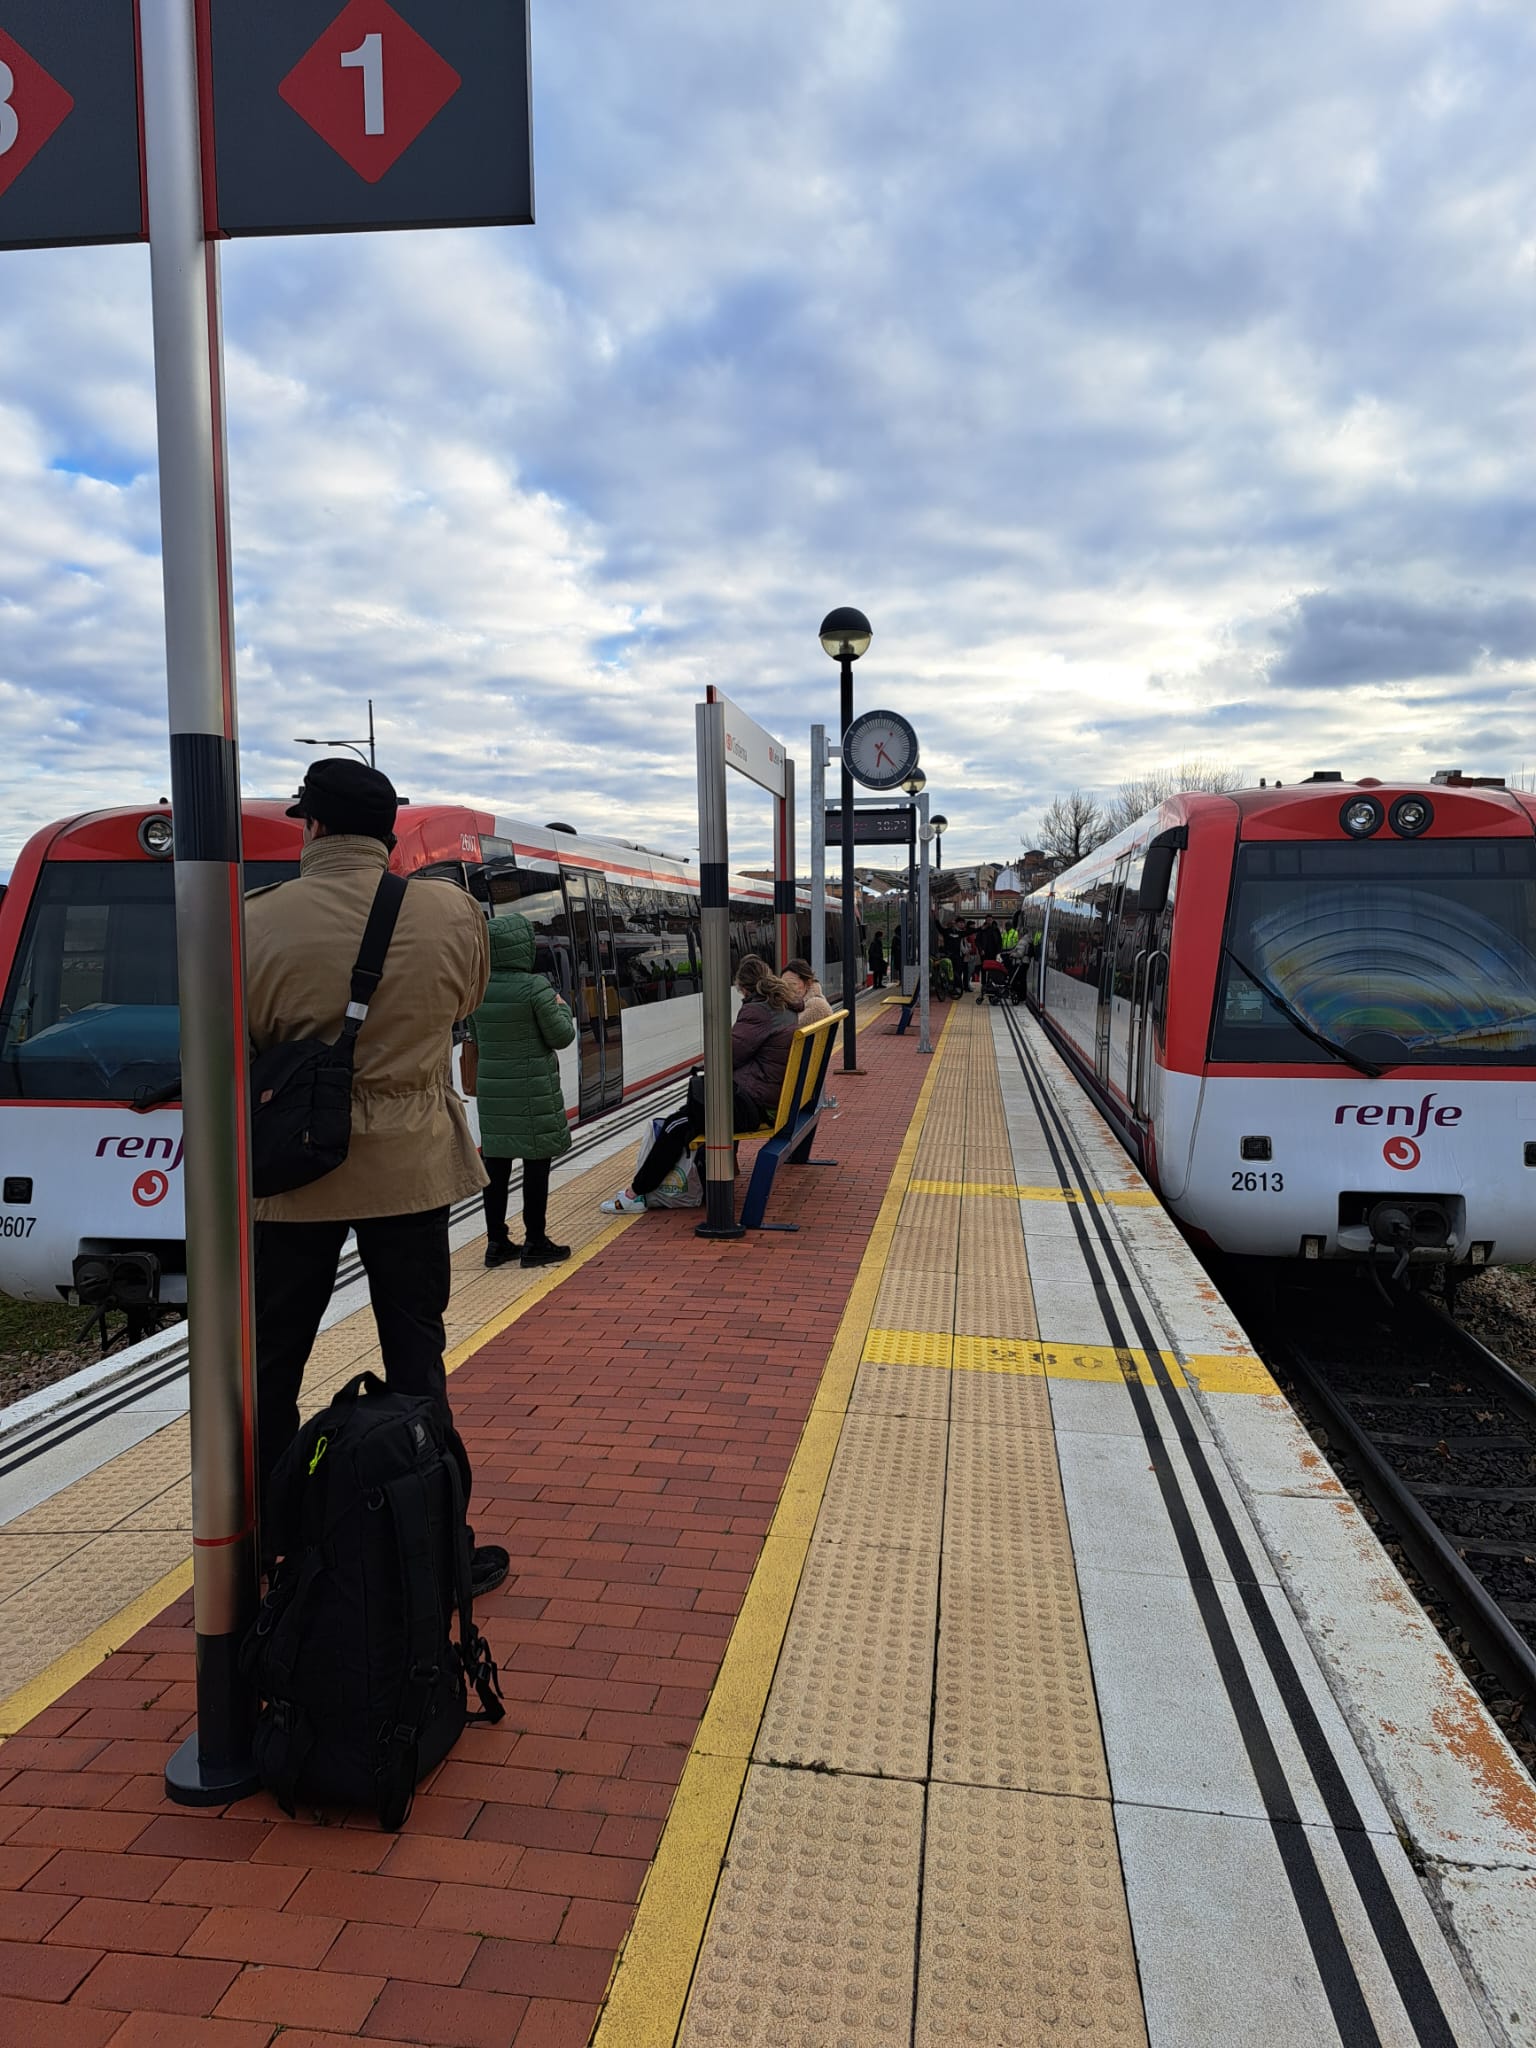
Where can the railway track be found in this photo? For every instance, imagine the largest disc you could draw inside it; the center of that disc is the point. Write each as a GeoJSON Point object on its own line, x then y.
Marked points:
{"type": "Point", "coordinates": [1442, 1435]}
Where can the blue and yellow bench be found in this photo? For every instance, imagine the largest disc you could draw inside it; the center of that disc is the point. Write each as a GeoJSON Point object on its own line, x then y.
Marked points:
{"type": "Point", "coordinates": [801, 1101]}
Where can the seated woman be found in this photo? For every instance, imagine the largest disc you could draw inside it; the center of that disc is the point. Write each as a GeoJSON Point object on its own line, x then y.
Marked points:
{"type": "Point", "coordinates": [760, 1043]}
{"type": "Point", "coordinates": [806, 991]}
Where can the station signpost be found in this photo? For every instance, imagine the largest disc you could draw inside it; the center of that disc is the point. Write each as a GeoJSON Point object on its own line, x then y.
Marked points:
{"type": "Point", "coordinates": [257, 117]}
{"type": "Point", "coordinates": [727, 738]}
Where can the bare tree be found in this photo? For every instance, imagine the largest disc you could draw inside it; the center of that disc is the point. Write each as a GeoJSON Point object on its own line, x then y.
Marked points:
{"type": "Point", "coordinates": [1073, 825]}
{"type": "Point", "coordinates": [1153, 786]}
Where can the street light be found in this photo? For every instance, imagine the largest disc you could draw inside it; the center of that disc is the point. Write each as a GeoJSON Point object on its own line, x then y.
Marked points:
{"type": "Point", "coordinates": [845, 635]}
{"type": "Point", "coordinates": [302, 739]}
{"type": "Point", "coordinates": [914, 785]}
{"type": "Point", "coordinates": [939, 826]}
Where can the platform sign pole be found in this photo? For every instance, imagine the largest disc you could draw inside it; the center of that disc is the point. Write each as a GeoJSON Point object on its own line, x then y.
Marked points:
{"type": "Point", "coordinates": [784, 905]}
{"type": "Point", "coordinates": [850, 885]}
{"type": "Point", "coordinates": [924, 1042]}
{"type": "Point", "coordinates": [213, 1765]}
{"type": "Point", "coordinates": [819, 852]}
{"type": "Point", "coordinates": [715, 946]}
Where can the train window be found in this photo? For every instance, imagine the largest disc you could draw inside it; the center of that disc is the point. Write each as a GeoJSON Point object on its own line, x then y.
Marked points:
{"type": "Point", "coordinates": [1406, 953]}
{"type": "Point", "coordinates": [91, 1011]}
{"type": "Point", "coordinates": [538, 897]}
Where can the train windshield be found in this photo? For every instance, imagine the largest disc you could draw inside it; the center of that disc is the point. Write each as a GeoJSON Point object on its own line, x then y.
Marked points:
{"type": "Point", "coordinates": [1418, 952]}
{"type": "Point", "coordinates": [90, 1014]}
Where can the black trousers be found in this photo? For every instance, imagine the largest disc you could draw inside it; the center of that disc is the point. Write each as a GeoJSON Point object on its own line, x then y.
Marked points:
{"type": "Point", "coordinates": [406, 1260]}
{"type": "Point", "coordinates": [535, 1198]}
{"type": "Point", "coordinates": [679, 1132]}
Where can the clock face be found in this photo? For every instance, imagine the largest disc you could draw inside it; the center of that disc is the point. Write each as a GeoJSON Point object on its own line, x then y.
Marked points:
{"type": "Point", "coordinates": [880, 749]}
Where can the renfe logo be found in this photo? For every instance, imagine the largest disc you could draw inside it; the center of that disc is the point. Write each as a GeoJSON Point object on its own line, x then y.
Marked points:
{"type": "Point", "coordinates": [1415, 1120]}
{"type": "Point", "coordinates": [144, 1148]}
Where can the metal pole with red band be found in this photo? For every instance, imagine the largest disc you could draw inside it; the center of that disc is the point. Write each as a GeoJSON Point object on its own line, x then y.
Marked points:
{"type": "Point", "coordinates": [214, 1764]}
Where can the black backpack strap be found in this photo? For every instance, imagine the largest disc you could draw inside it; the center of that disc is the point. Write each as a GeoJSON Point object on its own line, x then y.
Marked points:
{"type": "Point", "coordinates": [474, 1651]}
{"type": "Point", "coordinates": [368, 970]}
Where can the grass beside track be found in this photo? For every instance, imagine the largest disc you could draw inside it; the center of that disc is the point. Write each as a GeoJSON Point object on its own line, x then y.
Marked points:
{"type": "Point", "coordinates": [38, 1344]}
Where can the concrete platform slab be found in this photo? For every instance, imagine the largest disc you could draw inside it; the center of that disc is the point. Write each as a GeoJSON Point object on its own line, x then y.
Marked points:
{"type": "Point", "coordinates": [1120, 1519]}
{"type": "Point", "coordinates": [1227, 1957]}
{"type": "Point", "coordinates": [1173, 1734]}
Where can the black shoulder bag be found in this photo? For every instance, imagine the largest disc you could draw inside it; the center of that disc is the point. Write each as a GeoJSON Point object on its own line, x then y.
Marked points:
{"type": "Point", "coordinates": [301, 1092]}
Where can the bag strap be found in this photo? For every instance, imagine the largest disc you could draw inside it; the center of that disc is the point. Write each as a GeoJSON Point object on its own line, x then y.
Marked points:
{"type": "Point", "coordinates": [474, 1651]}
{"type": "Point", "coordinates": [368, 970]}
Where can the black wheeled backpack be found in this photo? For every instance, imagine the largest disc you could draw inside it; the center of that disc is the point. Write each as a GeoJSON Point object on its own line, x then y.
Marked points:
{"type": "Point", "coordinates": [363, 1687]}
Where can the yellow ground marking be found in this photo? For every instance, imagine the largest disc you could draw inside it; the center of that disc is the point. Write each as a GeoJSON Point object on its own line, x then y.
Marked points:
{"type": "Point", "coordinates": [1229, 1373]}
{"type": "Point", "coordinates": [1119, 1198]}
{"type": "Point", "coordinates": [649, 1986]}
{"type": "Point", "coordinates": [81, 1658]}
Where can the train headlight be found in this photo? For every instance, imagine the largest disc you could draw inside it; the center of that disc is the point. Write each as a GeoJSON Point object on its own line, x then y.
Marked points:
{"type": "Point", "coordinates": [157, 836]}
{"type": "Point", "coordinates": [1411, 815]}
{"type": "Point", "coordinates": [1361, 816]}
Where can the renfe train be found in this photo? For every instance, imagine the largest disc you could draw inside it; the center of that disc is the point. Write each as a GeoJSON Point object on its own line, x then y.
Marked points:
{"type": "Point", "coordinates": [91, 1149]}
{"type": "Point", "coordinates": [1310, 1015]}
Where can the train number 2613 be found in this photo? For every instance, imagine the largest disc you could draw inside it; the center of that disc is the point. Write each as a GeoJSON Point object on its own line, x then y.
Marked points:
{"type": "Point", "coordinates": [17, 1226]}
{"type": "Point", "coordinates": [1257, 1183]}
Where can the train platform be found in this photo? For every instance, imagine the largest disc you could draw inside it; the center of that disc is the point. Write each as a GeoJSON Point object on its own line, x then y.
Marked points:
{"type": "Point", "coordinates": [932, 1627]}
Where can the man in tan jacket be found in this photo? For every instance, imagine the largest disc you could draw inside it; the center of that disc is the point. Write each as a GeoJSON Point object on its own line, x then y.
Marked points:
{"type": "Point", "coordinates": [411, 1153]}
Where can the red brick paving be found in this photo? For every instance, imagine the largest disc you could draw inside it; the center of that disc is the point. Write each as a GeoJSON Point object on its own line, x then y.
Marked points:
{"type": "Point", "coordinates": [630, 1435]}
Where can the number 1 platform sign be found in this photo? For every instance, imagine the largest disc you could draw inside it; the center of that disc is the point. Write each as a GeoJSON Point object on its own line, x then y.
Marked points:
{"type": "Point", "coordinates": [69, 124]}
{"type": "Point", "coordinates": [376, 114]}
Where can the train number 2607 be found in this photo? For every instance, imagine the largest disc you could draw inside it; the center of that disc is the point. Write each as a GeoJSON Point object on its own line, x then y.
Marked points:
{"type": "Point", "coordinates": [17, 1226]}
{"type": "Point", "coordinates": [1257, 1183]}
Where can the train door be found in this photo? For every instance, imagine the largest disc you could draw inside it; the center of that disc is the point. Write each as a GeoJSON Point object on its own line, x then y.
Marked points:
{"type": "Point", "coordinates": [595, 994]}
{"type": "Point", "coordinates": [1108, 935]}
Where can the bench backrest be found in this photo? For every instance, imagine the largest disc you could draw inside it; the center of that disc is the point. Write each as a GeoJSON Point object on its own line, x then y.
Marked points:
{"type": "Point", "coordinates": [810, 1055]}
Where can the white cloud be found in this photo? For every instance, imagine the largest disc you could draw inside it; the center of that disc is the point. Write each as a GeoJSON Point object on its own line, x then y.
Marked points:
{"type": "Point", "coordinates": [1110, 358]}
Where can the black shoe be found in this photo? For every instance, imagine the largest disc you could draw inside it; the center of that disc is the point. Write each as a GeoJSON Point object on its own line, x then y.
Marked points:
{"type": "Point", "coordinates": [501, 1253]}
{"type": "Point", "coordinates": [542, 1251]}
{"type": "Point", "coordinates": [488, 1566]}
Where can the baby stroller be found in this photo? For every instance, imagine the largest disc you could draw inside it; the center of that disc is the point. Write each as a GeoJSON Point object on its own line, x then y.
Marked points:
{"type": "Point", "coordinates": [994, 982]}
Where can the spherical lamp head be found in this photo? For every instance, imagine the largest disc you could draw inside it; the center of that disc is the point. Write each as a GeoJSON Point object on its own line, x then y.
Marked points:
{"type": "Point", "coordinates": [939, 824]}
{"type": "Point", "coordinates": [915, 783]}
{"type": "Point", "coordinates": [845, 633]}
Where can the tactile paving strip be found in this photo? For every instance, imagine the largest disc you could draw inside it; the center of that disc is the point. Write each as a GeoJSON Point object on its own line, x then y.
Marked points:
{"type": "Point", "coordinates": [987, 1305]}
{"type": "Point", "coordinates": [887, 1481]}
{"type": "Point", "coordinates": [916, 1249]}
{"type": "Point", "coordinates": [996, 1400]}
{"type": "Point", "coordinates": [813, 1936]}
{"type": "Point", "coordinates": [1025, 1934]}
{"type": "Point", "coordinates": [909, 1347]}
{"type": "Point", "coordinates": [1014, 1701]}
{"type": "Point", "coordinates": [915, 1301]}
{"type": "Point", "coordinates": [854, 1687]}
{"type": "Point", "coordinates": [903, 1390]}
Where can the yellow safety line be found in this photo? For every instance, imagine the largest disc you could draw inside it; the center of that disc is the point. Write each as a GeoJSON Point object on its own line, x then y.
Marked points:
{"type": "Point", "coordinates": [76, 1663]}
{"type": "Point", "coordinates": [649, 1985]}
{"type": "Point", "coordinates": [81, 1659]}
{"type": "Point", "coordinates": [1238, 1372]}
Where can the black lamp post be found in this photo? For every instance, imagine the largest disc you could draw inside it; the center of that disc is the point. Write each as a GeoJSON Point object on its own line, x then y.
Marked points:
{"type": "Point", "coordinates": [846, 634]}
{"type": "Point", "coordinates": [914, 785]}
{"type": "Point", "coordinates": [938, 826]}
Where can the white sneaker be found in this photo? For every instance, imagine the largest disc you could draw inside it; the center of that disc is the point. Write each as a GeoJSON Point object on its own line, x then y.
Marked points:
{"type": "Point", "coordinates": [624, 1204]}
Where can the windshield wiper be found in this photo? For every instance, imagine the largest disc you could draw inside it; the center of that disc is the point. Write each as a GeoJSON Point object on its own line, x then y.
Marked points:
{"type": "Point", "coordinates": [1292, 1015]}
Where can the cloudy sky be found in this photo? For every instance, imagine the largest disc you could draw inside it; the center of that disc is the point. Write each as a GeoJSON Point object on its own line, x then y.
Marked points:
{"type": "Point", "coordinates": [1161, 380]}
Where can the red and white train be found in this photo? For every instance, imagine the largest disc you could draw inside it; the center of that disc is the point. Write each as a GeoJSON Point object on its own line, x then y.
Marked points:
{"type": "Point", "coordinates": [1310, 1014]}
{"type": "Point", "coordinates": [89, 1025]}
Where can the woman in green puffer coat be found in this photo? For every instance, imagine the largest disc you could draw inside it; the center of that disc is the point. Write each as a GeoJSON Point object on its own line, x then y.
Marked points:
{"type": "Point", "coordinates": [517, 1031]}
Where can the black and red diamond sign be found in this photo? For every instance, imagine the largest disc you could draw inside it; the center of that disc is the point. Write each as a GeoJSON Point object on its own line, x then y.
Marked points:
{"type": "Point", "coordinates": [370, 86]}
{"type": "Point", "coordinates": [373, 114]}
{"type": "Point", "coordinates": [32, 106]}
{"type": "Point", "coordinates": [69, 123]}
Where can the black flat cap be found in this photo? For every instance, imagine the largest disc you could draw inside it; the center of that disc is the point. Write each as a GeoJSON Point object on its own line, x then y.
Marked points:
{"type": "Point", "coordinates": [347, 796]}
